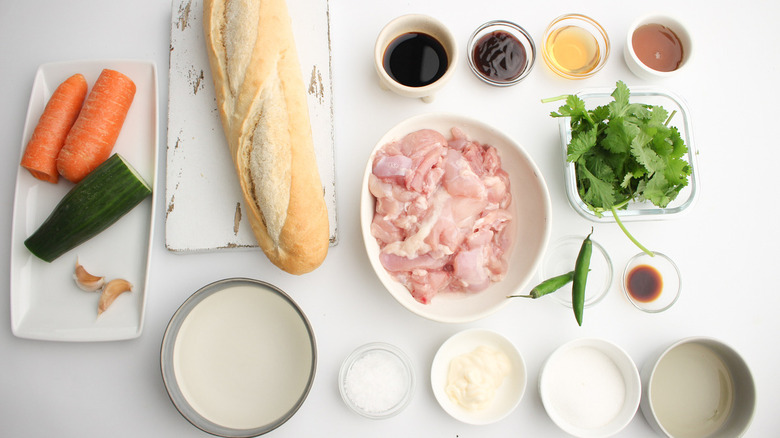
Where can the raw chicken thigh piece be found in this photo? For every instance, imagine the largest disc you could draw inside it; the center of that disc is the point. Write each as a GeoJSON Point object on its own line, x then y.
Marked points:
{"type": "Point", "coordinates": [441, 213]}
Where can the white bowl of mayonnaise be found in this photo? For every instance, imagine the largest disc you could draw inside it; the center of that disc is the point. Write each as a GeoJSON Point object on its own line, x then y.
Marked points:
{"type": "Point", "coordinates": [478, 376]}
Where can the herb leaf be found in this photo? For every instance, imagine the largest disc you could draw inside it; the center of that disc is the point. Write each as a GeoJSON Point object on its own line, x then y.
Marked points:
{"type": "Point", "coordinates": [582, 144]}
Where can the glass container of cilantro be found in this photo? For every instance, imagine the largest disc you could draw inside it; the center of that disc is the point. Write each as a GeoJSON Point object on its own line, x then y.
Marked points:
{"type": "Point", "coordinates": [650, 155]}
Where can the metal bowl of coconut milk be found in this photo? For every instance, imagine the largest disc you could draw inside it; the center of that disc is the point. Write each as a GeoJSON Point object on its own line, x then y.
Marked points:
{"type": "Point", "coordinates": [238, 358]}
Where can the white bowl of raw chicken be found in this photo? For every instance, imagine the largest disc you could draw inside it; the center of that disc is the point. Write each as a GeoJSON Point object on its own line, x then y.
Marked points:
{"type": "Point", "coordinates": [529, 229]}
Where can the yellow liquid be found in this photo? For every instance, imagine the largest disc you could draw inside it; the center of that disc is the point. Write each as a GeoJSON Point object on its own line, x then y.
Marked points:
{"type": "Point", "coordinates": [573, 50]}
{"type": "Point", "coordinates": [692, 391]}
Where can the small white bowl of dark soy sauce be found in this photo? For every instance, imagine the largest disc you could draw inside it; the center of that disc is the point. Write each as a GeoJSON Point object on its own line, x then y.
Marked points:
{"type": "Point", "coordinates": [415, 56]}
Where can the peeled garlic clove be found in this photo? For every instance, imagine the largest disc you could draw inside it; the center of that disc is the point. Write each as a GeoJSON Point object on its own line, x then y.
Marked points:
{"type": "Point", "coordinates": [113, 289]}
{"type": "Point", "coordinates": [85, 280]}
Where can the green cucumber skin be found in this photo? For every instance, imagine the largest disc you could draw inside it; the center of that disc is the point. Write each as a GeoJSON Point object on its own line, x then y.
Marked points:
{"type": "Point", "coordinates": [95, 203]}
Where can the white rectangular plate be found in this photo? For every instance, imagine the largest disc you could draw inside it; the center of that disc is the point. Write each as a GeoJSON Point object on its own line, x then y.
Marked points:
{"type": "Point", "coordinates": [45, 301]}
{"type": "Point", "coordinates": [203, 198]}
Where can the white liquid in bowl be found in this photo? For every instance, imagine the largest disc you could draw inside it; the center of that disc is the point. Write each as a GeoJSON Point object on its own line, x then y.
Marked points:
{"type": "Point", "coordinates": [586, 388]}
{"type": "Point", "coordinates": [692, 391]}
{"type": "Point", "coordinates": [243, 357]}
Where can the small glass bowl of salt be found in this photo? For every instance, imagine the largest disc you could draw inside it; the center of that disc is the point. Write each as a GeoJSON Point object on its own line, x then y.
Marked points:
{"type": "Point", "coordinates": [376, 380]}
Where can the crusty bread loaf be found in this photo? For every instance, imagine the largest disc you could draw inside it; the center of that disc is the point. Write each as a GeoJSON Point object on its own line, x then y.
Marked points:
{"type": "Point", "coordinates": [261, 99]}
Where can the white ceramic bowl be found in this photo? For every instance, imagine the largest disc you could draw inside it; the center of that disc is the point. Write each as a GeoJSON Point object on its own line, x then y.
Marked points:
{"type": "Point", "coordinates": [530, 207]}
{"type": "Point", "coordinates": [508, 395]}
{"type": "Point", "coordinates": [675, 25]}
{"type": "Point", "coordinates": [698, 386]}
{"type": "Point", "coordinates": [590, 388]}
{"type": "Point", "coordinates": [408, 24]}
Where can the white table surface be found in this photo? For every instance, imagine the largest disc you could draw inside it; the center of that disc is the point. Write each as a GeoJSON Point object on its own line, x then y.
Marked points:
{"type": "Point", "coordinates": [725, 246]}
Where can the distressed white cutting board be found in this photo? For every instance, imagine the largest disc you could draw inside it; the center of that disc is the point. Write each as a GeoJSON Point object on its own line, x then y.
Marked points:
{"type": "Point", "coordinates": [204, 210]}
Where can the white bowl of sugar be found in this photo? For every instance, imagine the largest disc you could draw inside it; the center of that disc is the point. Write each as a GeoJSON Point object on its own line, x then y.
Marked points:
{"type": "Point", "coordinates": [590, 388]}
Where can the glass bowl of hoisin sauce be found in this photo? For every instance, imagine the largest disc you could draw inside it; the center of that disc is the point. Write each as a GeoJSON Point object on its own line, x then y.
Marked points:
{"type": "Point", "coordinates": [501, 53]}
{"type": "Point", "coordinates": [414, 56]}
{"type": "Point", "coordinates": [657, 47]}
{"type": "Point", "coordinates": [652, 283]}
{"type": "Point", "coordinates": [575, 46]}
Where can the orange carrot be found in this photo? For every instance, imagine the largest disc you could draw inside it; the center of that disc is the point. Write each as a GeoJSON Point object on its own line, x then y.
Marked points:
{"type": "Point", "coordinates": [91, 139]}
{"type": "Point", "coordinates": [48, 137]}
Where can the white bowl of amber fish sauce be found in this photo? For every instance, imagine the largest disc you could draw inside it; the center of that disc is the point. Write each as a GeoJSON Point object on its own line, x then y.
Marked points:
{"type": "Point", "coordinates": [658, 46]}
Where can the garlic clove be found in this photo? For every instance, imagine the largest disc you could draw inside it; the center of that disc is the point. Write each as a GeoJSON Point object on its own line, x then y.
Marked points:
{"type": "Point", "coordinates": [113, 289]}
{"type": "Point", "coordinates": [85, 280]}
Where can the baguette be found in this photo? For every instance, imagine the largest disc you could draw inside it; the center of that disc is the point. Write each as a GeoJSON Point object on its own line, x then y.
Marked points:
{"type": "Point", "coordinates": [262, 103]}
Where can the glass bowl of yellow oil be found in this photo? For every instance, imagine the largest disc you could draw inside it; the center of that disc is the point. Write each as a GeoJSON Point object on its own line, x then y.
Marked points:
{"type": "Point", "coordinates": [575, 46]}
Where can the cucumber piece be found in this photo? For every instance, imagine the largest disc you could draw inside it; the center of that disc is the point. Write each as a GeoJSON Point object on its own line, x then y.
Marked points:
{"type": "Point", "coordinates": [95, 203]}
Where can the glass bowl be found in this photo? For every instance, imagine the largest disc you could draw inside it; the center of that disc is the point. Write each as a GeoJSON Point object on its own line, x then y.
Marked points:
{"type": "Point", "coordinates": [575, 46]}
{"type": "Point", "coordinates": [561, 258]}
{"type": "Point", "coordinates": [376, 380]}
{"type": "Point", "coordinates": [514, 30]}
{"type": "Point", "coordinates": [652, 284]}
{"type": "Point", "coordinates": [636, 211]}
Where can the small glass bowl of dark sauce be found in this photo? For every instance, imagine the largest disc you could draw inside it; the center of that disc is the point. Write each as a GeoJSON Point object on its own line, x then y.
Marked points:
{"type": "Point", "coordinates": [652, 283]}
{"type": "Point", "coordinates": [501, 53]}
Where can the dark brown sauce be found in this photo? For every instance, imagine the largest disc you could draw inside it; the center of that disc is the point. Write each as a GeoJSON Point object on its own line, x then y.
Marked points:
{"type": "Point", "coordinates": [658, 47]}
{"type": "Point", "coordinates": [415, 59]}
{"type": "Point", "coordinates": [500, 56]}
{"type": "Point", "coordinates": [644, 283]}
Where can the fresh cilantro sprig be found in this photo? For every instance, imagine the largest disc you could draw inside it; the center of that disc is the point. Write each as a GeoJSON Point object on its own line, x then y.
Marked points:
{"type": "Point", "coordinates": [624, 152]}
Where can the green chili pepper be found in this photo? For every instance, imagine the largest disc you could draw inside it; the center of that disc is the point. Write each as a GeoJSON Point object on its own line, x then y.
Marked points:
{"type": "Point", "coordinates": [548, 286]}
{"type": "Point", "coordinates": [581, 269]}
